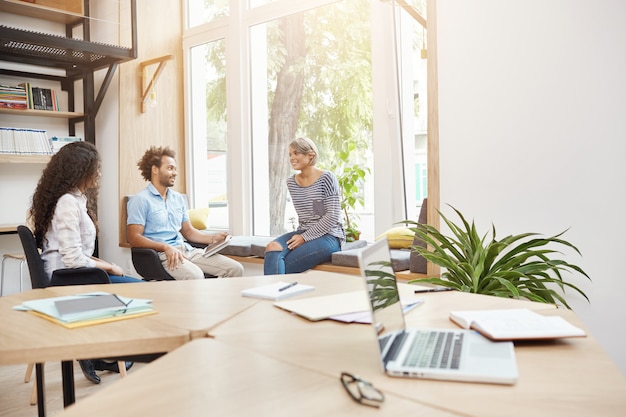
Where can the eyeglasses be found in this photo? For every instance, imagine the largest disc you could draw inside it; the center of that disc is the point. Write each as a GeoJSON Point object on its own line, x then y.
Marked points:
{"type": "Point", "coordinates": [361, 391]}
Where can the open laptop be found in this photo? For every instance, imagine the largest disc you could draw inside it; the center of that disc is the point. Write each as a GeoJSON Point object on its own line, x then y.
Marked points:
{"type": "Point", "coordinates": [448, 354]}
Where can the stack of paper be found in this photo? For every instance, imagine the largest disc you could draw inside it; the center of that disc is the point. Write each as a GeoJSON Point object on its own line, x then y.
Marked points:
{"type": "Point", "coordinates": [277, 291]}
{"type": "Point", "coordinates": [87, 309]}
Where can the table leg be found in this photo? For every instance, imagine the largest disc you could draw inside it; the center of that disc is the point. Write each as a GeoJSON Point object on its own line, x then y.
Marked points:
{"type": "Point", "coordinates": [41, 395]}
{"type": "Point", "coordinates": [67, 372]}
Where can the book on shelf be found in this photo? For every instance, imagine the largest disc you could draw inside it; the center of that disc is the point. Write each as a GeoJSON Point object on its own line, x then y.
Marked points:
{"type": "Point", "coordinates": [57, 143]}
{"type": "Point", "coordinates": [13, 97]}
{"type": "Point", "coordinates": [24, 141]}
{"type": "Point", "coordinates": [40, 98]}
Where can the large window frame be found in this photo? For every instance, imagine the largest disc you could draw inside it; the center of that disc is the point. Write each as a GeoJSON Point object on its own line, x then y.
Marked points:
{"type": "Point", "coordinates": [389, 198]}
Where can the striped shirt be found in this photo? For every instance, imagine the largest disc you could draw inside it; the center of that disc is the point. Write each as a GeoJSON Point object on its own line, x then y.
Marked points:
{"type": "Point", "coordinates": [318, 207]}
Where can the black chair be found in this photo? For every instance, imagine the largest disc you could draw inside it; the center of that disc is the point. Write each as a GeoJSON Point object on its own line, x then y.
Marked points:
{"type": "Point", "coordinates": [39, 279]}
{"type": "Point", "coordinates": [148, 265]}
{"type": "Point", "coordinates": [68, 276]}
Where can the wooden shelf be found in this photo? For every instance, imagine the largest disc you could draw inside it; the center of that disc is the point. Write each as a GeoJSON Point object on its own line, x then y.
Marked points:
{"type": "Point", "coordinates": [42, 113]}
{"type": "Point", "coordinates": [8, 158]}
{"type": "Point", "coordinates": [41, 10]}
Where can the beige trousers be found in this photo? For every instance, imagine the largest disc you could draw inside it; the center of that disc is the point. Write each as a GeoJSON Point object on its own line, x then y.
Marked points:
{"type": "Point", "coordinates": [195, 265]}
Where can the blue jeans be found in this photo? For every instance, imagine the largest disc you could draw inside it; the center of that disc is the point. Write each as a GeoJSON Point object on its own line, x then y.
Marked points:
{"type": "Point", "coordinates": [302, 258]}
{"type": "Point", "coordinates": [116, 279]}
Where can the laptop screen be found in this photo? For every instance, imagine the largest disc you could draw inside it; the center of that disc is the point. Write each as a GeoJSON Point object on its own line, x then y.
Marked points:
{"type": "Point", "coordinates": [376, 268]}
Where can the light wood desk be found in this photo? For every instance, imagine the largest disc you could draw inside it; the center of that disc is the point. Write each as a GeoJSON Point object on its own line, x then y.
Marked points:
{"type": "Point", "coordinates": [209, 378]}
{"type": "Point", "coordinates": [572, 377]}
{"type": "Point", "coordinates": [569, 377]}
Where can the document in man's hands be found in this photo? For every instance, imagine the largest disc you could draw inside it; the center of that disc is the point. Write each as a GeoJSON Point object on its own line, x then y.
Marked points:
{"type": "Point", "coordinates": [216, 247]}
{"type": "Point", "coordinates": [277, 291]}
{"type": "Point", "coordinates": [515, 324]}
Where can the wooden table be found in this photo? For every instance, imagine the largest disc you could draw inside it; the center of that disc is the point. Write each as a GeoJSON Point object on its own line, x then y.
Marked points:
{"type": "Point", "coordinates": [568, 377]}
{"type": "Point", "coordinates": [210, 378]}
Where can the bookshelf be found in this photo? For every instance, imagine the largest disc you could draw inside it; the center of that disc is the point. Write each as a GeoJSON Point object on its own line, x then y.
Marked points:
{"type": "Point", "coordinates": [77, 58]}
{"type": "Point", "coordinates": [7, 158]}
{"type": "Point", "coordinates": [56, 11]}
{"type": "Point", "coordinates": [42, 113]}
{"type": "Point", "coordinates": [32, 50]}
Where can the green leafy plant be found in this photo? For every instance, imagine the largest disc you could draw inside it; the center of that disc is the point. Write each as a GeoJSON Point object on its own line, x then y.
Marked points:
{"type": "Point", "coordinates": [382, 283]}
{"type": "Point", "coordinates": [351, 177]}
{"type": "Point", "coordinates": [516, 266]}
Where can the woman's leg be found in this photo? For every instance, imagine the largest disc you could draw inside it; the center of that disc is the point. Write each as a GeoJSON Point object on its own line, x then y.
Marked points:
{"type": "Point", "coordinates": [116, 279]}
{"type": "Point", "coordinates": [274, 262]}
{"type": "Point", "coordinates": [311, 254]}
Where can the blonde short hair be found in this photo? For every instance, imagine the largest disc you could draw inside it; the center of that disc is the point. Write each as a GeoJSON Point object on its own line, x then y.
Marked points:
{"type": "Point", "coordinates": [307, 147]}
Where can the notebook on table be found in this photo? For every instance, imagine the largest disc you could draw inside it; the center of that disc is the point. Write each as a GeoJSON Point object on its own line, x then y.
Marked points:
{"type": "Point", "coordinates": [447, 354]}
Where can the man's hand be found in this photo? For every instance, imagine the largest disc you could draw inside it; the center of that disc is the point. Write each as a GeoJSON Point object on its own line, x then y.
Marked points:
{"type": "Point", "coordinates": [174, 257]}
{"type": "Point", "coordinates": [219, 237]}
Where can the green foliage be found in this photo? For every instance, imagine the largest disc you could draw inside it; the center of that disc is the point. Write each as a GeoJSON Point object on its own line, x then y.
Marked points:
{"type": "Point", "coordinates": [517, 266]}
{"type": "Point", "coordinates": [351, 177]}
{"type": "Point", "coordinates": [382, 284]}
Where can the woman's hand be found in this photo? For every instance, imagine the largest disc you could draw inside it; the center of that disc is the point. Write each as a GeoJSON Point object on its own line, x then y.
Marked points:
{"type": "Point", "coordinates": [116, 270]}
{"type": "Point", "coordinates": [295, 241]}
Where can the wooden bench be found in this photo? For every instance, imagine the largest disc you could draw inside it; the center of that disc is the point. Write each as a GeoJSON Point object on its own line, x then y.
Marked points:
{"type": "Point", "coordinates": [329, 267]}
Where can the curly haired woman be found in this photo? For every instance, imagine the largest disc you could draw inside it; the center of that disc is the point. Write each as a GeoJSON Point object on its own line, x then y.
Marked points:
{"type": "Point", "coordinates": [63, 214]}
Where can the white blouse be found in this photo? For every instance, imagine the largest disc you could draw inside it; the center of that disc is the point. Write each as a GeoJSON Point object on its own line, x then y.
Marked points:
{"type": "Point", "coordinates": [70, 240]}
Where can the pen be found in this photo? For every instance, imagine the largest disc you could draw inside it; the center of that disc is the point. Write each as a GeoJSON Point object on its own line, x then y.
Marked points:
{"type": "Point", "coordinates": [434, 290]}
{"type": "Point", "coordinates": [287, 286]}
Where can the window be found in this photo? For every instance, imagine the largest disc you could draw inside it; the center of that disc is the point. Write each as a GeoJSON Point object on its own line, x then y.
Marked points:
{"type": "Point", "coordinates": [208, 131]}
{"type": "Point", "coordinates": [322, 69]}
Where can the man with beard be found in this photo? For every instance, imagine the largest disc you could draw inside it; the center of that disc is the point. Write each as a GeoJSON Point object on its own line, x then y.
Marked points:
{"type": "Point", "coordinates": [158, 219]}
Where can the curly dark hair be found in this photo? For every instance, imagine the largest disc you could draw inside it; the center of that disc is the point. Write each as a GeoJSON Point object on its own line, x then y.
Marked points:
{"type": "Point", "coordinates": [67, 170]}
{"type": "Point", "coordinates": [151, 158]}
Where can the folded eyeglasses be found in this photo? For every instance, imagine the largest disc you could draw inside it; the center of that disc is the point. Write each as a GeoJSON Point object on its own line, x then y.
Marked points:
{"type": "Point", "coordinates": [361, 391]}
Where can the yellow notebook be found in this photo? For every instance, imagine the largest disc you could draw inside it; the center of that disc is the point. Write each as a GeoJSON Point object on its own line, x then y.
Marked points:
{"type": "Point", "coordinates": [85, 323]}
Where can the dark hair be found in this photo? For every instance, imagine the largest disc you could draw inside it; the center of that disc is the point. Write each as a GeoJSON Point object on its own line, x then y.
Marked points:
{"type": "Point", "coordinates": [69, 168]}
{"type": "Point", "coordinates": [153, 157]}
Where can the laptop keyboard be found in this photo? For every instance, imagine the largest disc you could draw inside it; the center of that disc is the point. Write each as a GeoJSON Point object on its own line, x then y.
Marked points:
{"type": "Point", "coordinates": [435, 349]}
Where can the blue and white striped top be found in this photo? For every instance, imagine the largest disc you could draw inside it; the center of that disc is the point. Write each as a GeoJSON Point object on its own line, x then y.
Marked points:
{"type": "Point", "coordinates": [318, 207]}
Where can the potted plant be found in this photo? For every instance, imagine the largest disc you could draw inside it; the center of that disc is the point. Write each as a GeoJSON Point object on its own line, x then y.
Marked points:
{"type": "Point", "coordinates": [516, 266]}
{"type": "Point", "coordinates": [350, 178]}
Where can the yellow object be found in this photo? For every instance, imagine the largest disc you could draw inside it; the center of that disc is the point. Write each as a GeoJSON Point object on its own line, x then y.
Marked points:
{"type": "Point", "coordinates": [84, 323]}
{"type": "Point", "coordinates": [199, 218]}
{"type": "Point", "coordinates": [398, 237]}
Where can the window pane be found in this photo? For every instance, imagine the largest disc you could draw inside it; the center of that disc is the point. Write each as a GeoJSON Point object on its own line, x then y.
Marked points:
{"type": "Point", "coordinates": [311, 76]}
{"type": "Point", "coordinates": [205, 11]}
{"type": "Point", "coordinates": [413, 54]}
{"type": "Point", "coordinates": [208, 131]}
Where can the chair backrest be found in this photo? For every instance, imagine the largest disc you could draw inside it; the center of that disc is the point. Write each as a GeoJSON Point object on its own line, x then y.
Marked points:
{"type": "Point", "coordinates": [69, 276]}
{"type": "Point", "coordinates": [38, 276]}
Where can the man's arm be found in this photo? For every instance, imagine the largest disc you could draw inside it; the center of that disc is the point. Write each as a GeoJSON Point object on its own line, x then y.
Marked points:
{"type": "Point", "coordinates": [138, 240]}
{"type": "Point", "coordinates": [191, 234]}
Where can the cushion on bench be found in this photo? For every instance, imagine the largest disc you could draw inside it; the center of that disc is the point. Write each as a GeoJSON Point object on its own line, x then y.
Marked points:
{"type": "Point", "coordinates": [242, 245]}
{"type": "Point", "coordinates": [350, 257]}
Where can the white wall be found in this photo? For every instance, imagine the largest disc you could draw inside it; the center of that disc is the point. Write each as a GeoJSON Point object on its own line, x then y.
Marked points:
{"type": "Point", "coordinates": [532, 107]}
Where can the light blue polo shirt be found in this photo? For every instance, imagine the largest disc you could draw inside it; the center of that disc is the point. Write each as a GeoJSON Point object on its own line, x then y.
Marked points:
{"type": "Point", "coordinates": [161, 220]}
